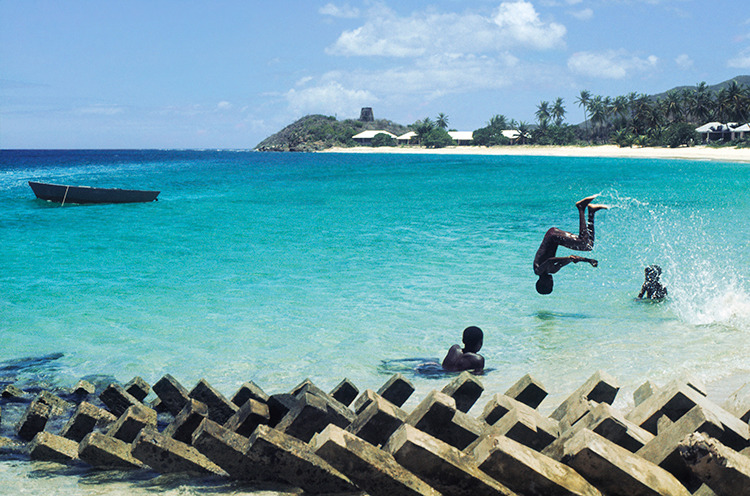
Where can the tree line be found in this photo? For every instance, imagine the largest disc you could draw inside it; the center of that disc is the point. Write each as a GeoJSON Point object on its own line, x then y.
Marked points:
{"type": "Point", "coordinates": [626, 120]}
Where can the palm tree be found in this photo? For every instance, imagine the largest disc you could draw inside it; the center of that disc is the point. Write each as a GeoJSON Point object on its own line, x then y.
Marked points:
{"type": "Point", "coordinates": [558, 111]}
{"type": "Point", "coordinates": [733, 102]}
{"type": "Point", "coordinates": [619, 108]}
{"type": "Point", "coordinates": [423, 128]}
{"type": "Point", "coordinates": [543, 113]}
{"type": "Point", "coordinates": [583, 100]}
{"type": "Point", "coordinates": [523, 132]}
{"type": "Point", "coordinates": [598, 110]}
{"type": "Point", "coordinates": [498, 121]}
{"type": "Point", "coordinates": [672, 106]}
{"type": "Point", "coordinates": [701, 103]}
{"type": "Point", "coordinates": [442, 121]}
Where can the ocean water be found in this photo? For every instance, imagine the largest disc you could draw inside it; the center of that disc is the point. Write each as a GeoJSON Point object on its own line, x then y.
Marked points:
{"type": "Point", "coordinates": [280, 267]}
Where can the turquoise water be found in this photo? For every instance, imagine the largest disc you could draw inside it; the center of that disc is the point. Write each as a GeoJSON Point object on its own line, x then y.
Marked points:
{"type": "Point", "coordinates": [278, 267]}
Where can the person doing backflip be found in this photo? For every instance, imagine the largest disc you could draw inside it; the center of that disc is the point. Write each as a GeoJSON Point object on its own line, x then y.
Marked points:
{"type": "Point", "coordinates": [545, 261]}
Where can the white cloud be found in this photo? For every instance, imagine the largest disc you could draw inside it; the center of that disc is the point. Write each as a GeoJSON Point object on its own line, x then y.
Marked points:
{"type": "Point", "coordinates": [520, 22]}
{"type": "Point", "coordinates": [741, 61]}
{"type": "Point", "coordinates": [344, 11]}
{"type": "Point", "coordinates": [328, 98]}
{"type": "Point", "coordinates": [514, 24]}
{"type": "Point", "coordinates": [223, 105]}
{"type": "Point", "coordinates": [684, 61]}
{"type": "Point", "coordinates": [609, 64]}
{"type": "Point", "coordinates": [583, 15]}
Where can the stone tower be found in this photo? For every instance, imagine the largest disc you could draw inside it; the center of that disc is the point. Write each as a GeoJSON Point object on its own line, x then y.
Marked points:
{"type": "Point", "coordinates": [365, 114]}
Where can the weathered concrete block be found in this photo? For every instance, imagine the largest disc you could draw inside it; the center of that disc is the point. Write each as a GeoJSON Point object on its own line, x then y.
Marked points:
{"type": "Point", "coordinates": [704, 490]}
{"type": "Point", "coordinates": [50, 447]}
{"type": "Point", "coordinates": [498, 406]}
{"type": "Point", "coordinates": [526, 471]}
{"type": "Point", "coordinates": [334, 406]}
{"type": "Point", "coordinates": [615, 471]}
{"type": "Point", "coordinates": [10, 392]}
{"type": "Point", "coordinates": [724, 470]}
{"type": "Point", "coordinates": [117, 400]}
{"type": "Point", "coordinates": [85, 419]}
{"type": "Point", "coordinates": [250, 415]}
{"type": "Point", "coordinates": [465, 389]}
{"type": "Point", "coordinates": [130, 423]}
{"type": "Point", "coordinates": [372, 470]}
{"type": "Point", "coordinates": [220, 409]}
{"type": "Point", "coordinates": [279, 405]}
{"type": "Point", "coordinates": [600, 388]}
{"type": "Point", "coordinates": [738, 404]}
{"type": "Point", "coordinates": [83, 388]}
{"type": "Point", "coordinates": [376, 422]}
{"type": "Point", "coordinates": [33, 421]}
{"type": "Point", "coordinates": [364, 399]}
{"type": "Point", "coordinates": [293, 461]}
{"type": "Point", "coordinates": [644, 391]}
{"type": "Point", "coordinates": [528, 427]}
{"type": "Point", "coordinates": [440, 465]}
{"type": "Point", "coordinates": [311, 415]}
{"type": "Point", "coordinates": [185, 422]}
{"type": "Point", "coordinates": [57, 405]}
{"type": "Point", "coordinates": [345, 392]}
{"type": "Point", "coordinates": [167, 455]}
{"type": "Point", "coordinates": [694, 382]}
{"type": "Point", "coordinates": [172, 394]}
{"type": "Point", "coordinates": [397, 390]}
{"type": "Point", "coordinates": [608, 423]}
{"type": "Point", "coordinates": [528, 391]}
{"type": "Point", "coordinates": [675, 401]}
{"type": "Point", "coordinates": [664, 451]}
{"type": "Point", "coordinates": [102, 451]}
{"type": "Point", "coordinates": [437, 415]}
{"type": "Point", "coordinates": [138, 388]}
{"type": "Point", "coordinates": [249, 390]}
{"type": "Point", "coordinates": [227, 450]}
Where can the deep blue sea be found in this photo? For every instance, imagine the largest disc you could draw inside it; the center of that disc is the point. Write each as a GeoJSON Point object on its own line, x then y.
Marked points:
{"type": "Point", "coordinates": [279, 267]}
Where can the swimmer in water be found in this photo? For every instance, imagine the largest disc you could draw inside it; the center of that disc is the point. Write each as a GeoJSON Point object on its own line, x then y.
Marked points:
{"type": "Point", "coordinates": [545, 261]}
{"type": "Point", "coordinates": [466, 358]}
{"type": "Point", "coordinates": [652, 287]}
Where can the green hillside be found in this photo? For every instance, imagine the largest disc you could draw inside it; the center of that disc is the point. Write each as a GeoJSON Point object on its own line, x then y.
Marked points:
{"type": "Point", "coordinates": [318, 132]}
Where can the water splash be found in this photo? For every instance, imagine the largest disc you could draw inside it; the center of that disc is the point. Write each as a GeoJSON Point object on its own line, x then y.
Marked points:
{"type": "Point", "coordinates": [701, 270]}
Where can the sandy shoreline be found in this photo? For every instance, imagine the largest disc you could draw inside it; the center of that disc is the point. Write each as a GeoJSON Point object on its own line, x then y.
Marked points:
{"type": "Point", "coordinates": [605, 151]}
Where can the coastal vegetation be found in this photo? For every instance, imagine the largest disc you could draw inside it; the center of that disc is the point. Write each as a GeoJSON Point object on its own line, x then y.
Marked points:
{"type": "Point", "coordinates": [666, 119]}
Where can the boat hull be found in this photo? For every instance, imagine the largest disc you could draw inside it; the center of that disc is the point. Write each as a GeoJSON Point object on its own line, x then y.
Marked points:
{"type": "Point", "coordinates": [61, 193]}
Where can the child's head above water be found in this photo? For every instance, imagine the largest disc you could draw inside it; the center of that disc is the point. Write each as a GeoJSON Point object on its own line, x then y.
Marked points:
{"type": "Point", "coordinates": [473, 338]}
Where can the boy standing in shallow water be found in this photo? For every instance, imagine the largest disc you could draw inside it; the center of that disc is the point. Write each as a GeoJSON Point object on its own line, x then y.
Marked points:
{"type": "Point", "coordinates": [652, 286]}
{"type": "Point", "coordinates": [468, 358]}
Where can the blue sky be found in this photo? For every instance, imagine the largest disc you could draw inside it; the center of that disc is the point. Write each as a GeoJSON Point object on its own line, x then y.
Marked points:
{"type": "Point", "coordinates": [228, 73]}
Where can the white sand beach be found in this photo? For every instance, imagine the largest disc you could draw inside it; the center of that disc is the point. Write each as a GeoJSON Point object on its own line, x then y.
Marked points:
{"type": "Point", "coordinates": [682, 153]}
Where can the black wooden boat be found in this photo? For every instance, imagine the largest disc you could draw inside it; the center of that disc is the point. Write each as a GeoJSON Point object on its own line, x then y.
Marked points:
{"type": "Point", "coordinates": [85, 194]}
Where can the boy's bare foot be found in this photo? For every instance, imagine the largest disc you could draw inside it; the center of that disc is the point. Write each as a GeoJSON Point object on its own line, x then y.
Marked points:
{"type": "Point", "coordinates": [596, 208]}
{"type": "Point", "coordinates": [581, 204]}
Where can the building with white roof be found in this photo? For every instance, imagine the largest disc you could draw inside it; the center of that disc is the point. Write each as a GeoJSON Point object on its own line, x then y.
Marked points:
{"type": "Point", "coordinates": [365, 137]}
{"type": "Point", "coordinates": [462, 138]}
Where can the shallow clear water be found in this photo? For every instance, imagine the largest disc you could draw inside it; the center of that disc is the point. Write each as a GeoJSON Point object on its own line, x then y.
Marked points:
{"type": "Point", "coordinates": [278, 267]}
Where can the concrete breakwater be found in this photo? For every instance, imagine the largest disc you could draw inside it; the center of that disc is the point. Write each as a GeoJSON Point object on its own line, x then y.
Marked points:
{"type": "Point", "coordinates": [458, 440]}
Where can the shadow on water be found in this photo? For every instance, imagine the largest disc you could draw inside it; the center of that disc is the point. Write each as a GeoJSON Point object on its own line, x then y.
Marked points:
{"type": "Point", "coordinates": [547, 315]}
{"type": "Point", "coordinates": [29, 370]}
{"type": "Point", "coordinates": [428, 367]}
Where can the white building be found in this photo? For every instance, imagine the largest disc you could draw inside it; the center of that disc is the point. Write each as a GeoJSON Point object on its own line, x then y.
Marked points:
{"type": "Point", "coordinates": [406, 138]}
{"type": "Point", "coordinates": [365, 137]}
{"type": "Point", "coordinates": [462, 138]}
